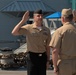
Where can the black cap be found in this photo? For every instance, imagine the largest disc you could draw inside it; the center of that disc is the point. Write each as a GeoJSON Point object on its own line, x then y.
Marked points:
{"type": "Point", "coordinates": [39, 11]}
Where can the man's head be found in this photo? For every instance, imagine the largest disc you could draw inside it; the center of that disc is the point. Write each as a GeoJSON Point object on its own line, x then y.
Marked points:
{"type": "Point", "coordinates": [38, 15]}
{"type": "Point", "coordinates": [67, 15]}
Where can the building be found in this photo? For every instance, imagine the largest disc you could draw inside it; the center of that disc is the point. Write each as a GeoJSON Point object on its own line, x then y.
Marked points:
{"type": "Point", "coordinates": [11, 12]}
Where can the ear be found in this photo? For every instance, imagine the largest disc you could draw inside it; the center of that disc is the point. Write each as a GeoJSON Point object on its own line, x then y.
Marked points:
{"type": "Point", "coordinates": [63, 19]}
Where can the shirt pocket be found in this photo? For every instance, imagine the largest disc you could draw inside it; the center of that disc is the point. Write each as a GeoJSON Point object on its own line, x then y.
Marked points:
{"type": "Point", "coordinates": [34, 34]}
{"type": "Point", "coordinates": [45, 35]}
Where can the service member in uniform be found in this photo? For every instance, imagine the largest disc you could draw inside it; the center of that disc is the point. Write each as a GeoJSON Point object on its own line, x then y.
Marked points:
{"type": "Point", "coordinates": [63, 44]}
{"type": "Point", "coordinates": [38, 38]}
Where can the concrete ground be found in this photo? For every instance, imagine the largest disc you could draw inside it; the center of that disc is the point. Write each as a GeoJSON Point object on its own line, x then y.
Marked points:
{"type": "Point", "coordinates": [20, 71]}
{"type": "Point", "coordinates": [3, 72]}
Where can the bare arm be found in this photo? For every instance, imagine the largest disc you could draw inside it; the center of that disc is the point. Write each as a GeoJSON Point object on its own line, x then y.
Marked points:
{"type": "Point", "coordinates": [55, 53]}
{"type": "Point", "coordinates": [48, 56]}
{"type": "Point", "coordinates": [48, 53]}
{"type": "Point", "coordinates": [48, 49]}
{"type": "Point", "coordinates": [19, 25]}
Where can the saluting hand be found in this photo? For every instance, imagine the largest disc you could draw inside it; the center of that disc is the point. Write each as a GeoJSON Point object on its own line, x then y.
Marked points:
{"type": "Point", "coordinates": [25, 16]}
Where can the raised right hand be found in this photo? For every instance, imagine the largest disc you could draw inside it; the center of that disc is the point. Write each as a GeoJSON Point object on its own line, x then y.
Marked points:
{"type": "Point", "coordinates": [25, 16]}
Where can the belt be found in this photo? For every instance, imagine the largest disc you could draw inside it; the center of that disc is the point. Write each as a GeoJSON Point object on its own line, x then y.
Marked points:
{"type": "Point", "coordinates": [37, 54]}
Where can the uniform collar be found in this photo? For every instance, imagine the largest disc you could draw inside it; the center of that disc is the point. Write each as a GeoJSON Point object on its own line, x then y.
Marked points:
{"type": "Point", "coordinates": [68, 23]}
{"type": "Point", "coordinates": [35, 27]}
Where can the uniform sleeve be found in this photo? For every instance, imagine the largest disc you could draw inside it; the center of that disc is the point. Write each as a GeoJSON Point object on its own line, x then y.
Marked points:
{"type": "Point", "coordinates": [56, 40]}
{"type": "Point", "coordinates": [23, 30]}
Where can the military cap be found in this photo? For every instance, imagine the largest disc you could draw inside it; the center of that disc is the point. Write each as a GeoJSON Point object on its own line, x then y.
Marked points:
{"type": "Point", "coordinates": [39, 11]}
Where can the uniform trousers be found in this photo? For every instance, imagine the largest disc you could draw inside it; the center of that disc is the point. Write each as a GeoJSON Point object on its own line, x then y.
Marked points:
{"type": "Point", "coordinates": [36, 63]}
{"type": "Point", "coordinates": [67, 67]}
